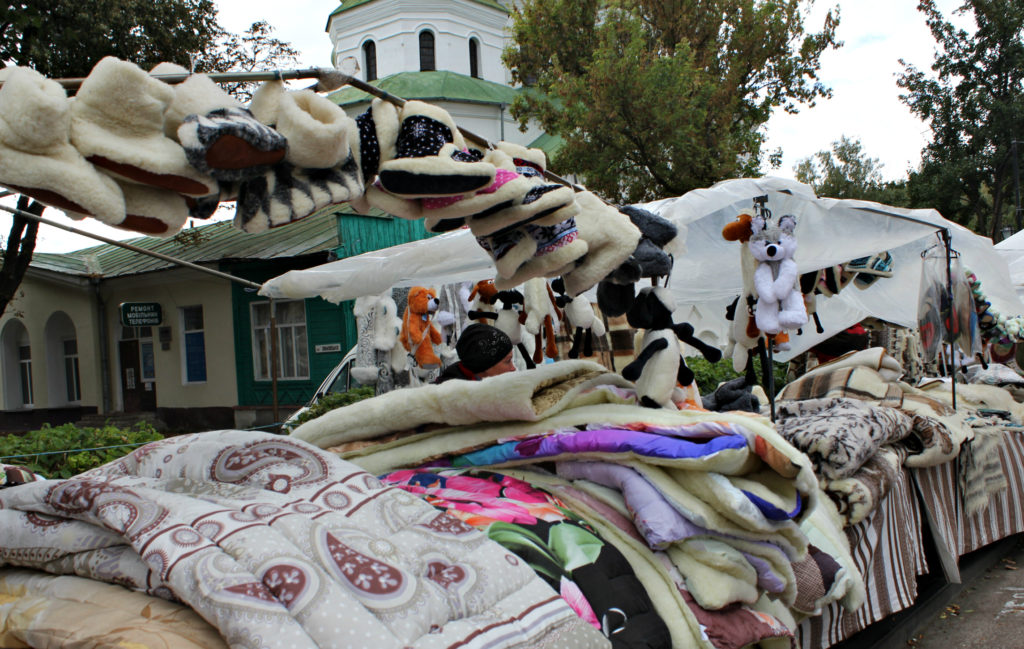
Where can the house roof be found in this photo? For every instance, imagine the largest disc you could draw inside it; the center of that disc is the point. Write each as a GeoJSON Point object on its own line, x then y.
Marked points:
{"type": "Point", "coordinates": [203, 244]}
{"type": "Point", "coordinates": [432, 86]}
{"type": "Point", "coordinates": [351, 4]}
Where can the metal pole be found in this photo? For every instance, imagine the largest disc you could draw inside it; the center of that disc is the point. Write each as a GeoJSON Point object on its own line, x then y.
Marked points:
{"type": "Point", "coordinates": [128, 246]}
{"type": "Point", "coordinates": [273, 360]}
{"type": "Point", "coordinates": [1018, 220]}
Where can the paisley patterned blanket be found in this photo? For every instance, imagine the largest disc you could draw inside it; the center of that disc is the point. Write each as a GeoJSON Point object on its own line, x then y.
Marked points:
{"type": "Point", "coordinates": [278, 544]}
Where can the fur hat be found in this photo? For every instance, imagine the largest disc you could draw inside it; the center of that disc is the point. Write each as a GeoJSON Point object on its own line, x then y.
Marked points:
{"type": "Point", "coordinates": [611, 238]}
{"type": "Point", "coordinates": [36, 157]}
{"type": "Point", "coordinates": [117, 123]}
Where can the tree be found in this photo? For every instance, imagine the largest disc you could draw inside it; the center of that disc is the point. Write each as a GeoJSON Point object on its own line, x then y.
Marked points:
{"type": "Point", "coordinates": [66, 38]}
{"type": "Point", "coordinates": [654, 99]}
{"type": "Point", "coordinates": [975, 108]}
{"type": "Point", "coordinates": [845, 171]}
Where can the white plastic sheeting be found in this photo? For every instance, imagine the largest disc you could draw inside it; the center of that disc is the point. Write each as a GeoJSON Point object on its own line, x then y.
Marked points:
{"type": "Point", "coordinates": [707, 276]}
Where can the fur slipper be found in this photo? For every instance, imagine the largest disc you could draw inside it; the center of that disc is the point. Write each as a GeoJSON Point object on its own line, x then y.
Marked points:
{"type": "Point", "coordinates": [36, 156]}
{"type": "Point", "coordinates": [230, 144]}
{"type": "Point", "coordinates": [541, 205]}
{"type": "Point", "coordinates": [509, 251]}
{"type": "Point", "coordinates": [404, 208]}
{"type": "Point", "coordinates": [153, 211]}
{"type": "Point", "coordinates": [287, 194]}
{"type": "Point", "coordinates": [378, 133]}
{"type": "Point", "coordinates": [507, 186]}
{"type": "Point", "coordinates": [117, 123]}
{"type": "Point", "coordinates": [317, 130]}
{"type": "Point", "coordinates": [611, 238]}
{"type": "Point", "coordinates": [424, 164]}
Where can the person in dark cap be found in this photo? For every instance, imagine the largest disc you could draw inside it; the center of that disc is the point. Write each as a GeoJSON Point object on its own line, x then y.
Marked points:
{"type": "Point", "coordinates": [483, 351]}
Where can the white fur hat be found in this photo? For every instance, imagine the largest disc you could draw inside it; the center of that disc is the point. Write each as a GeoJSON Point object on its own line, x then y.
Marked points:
{"type": "Point", "coordinates": [197, 95]}
{"type": "Point", "coordinates": [317, 130]}
{"type": "Point", "coordinates": [117, 123]}
{"type": "Point", "coordinates": [36, 157]}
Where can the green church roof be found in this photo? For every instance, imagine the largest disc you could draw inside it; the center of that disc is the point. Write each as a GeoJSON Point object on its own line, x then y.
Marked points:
{"type": "Point", "coordinates": [351, 4]}
{"type": "Point", "coordinates": [432, 86]}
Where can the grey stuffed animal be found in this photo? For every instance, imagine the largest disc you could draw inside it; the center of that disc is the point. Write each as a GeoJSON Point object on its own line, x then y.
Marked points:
{"type": "Point", "coordinates": [735, 394]}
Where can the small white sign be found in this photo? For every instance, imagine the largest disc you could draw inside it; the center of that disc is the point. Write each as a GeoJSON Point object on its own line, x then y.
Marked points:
{"type": "Point", "coordinates": [331, 347]}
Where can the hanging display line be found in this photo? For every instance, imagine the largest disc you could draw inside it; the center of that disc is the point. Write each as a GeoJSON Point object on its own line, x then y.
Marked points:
{"type": "Point", "coordinates": [133, 248]}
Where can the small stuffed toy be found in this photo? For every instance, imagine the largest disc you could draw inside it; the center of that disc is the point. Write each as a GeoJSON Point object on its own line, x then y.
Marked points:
{"type": "Point", "coordinates": [659, 366]}
{"type": "Point", "coordinates": [509, 319]}
{"type": "Point", "coordinates": [651, 259]}
{"type": "Point", "coordinates": [780, 303]}
{"type": "Point", "coordinates": [419, 335]}
{"type": "Point", "coordinates": [482, 298]}
{"type": "Point", "coordinates": [582, 320]}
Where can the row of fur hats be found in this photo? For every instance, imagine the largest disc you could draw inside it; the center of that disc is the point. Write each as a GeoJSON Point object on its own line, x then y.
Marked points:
{"type": "Point", "coordinates": [139, 154]}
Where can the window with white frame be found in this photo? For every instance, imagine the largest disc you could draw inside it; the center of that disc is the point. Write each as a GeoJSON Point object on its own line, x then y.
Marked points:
{"type": "Point", "coordinates": [292, 346]}
{"type": "Point", "coordinates": [427, 62]}
{"type": "Point", "coordinates": [72, 381]}
{"type": "Point", "coordinates": [25, 373]}
{"type": "Point", "coordinates": [194, 344]}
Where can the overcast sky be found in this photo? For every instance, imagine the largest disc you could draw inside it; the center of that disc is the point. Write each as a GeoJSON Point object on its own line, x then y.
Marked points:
{"type": "Point", "coordinates": [862, 74]}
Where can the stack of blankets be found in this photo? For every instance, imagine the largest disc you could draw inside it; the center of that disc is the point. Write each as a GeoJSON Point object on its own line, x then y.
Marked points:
{"type": "Point", "coordinates": [662, 528]}
{"type": "Point", "coordinates": [533, 509]}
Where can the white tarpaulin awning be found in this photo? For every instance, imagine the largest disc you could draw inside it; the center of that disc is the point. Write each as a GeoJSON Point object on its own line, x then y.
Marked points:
{"type": "Point", "coordinates": [707, 276]}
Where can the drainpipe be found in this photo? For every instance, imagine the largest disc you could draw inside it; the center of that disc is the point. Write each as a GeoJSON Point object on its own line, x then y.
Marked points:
{"type": "Point", "coordinates": [501, 120]}
{"type": "Point", "coordinates": [104, 348]}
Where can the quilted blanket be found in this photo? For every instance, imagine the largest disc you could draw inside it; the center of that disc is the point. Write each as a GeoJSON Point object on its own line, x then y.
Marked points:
{"type": "Point", "coordinates": [275, 543]}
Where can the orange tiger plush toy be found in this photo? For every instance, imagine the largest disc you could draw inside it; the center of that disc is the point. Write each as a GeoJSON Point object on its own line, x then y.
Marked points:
{"type": "Point", "coordinates": [419, 335]}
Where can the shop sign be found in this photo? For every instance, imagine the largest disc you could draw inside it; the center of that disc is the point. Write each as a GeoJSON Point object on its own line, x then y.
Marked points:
{"type": "Point", "coordinates": [141, 314]}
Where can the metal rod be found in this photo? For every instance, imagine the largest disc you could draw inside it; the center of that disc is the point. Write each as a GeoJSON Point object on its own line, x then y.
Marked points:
{"type": "Point", "coordinates": [128, 246]}
{"type": "Point", "coordinates": [946, 239]}
{"type": "Point", "coordinates": [221, 77]}
{"type": "Point", "coordinates": [273, 360]}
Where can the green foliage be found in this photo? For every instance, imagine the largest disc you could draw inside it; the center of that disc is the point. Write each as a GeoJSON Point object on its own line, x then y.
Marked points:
{"type": "Point", "coordinates": [254, 50]}
{"type": "Point", "coordinates": [68, 437]}
{"type": "Point", "coordinates": [845, 171]}
{"type": "Point", "coordinates": [335, 400]}
{"type": "Point", "coordinates": [654, 99]}
{"type": "Point", "coordinates": [974, 105]}
{"type": "Point", "coordinates": [708, 375]}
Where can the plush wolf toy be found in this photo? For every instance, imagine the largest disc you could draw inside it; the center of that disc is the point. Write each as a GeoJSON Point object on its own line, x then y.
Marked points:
{"type": "Point", "coordinates": [780, 303]}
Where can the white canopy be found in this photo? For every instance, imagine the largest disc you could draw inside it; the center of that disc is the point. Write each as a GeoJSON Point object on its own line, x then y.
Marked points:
{"type": "Point", "coordinates": [1011, 250]}
{"type": "Point", "coordinates": [707, 276]}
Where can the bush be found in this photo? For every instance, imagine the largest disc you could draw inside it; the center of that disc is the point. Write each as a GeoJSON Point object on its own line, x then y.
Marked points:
{"type": "Point", "coordinates": [335, 400]}
{"type": "Point", "coordinates": [709, 375]}
{"type": "Point", "coordinates": [52, 451]}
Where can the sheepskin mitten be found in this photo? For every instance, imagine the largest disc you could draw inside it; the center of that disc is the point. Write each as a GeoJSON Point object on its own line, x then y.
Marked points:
{"type": "Point", "coordinates": [287, 194]}
{"type": "Point", "coordinates": [117, 123]}
{"type": "Point", "coordinates": [378, 135]}
{"type": "Point", "coordinates": [558, 246]}
{"type": "Point", "coordinates": [36, 156]}
{"type": "Point", "coordinates": [509, 250]}
{"type": "Point", "coordinates": [611, 238]}
{"type": "Point", "coordinates": [431, 157]}
{"type": "Point", "coordinates": [541, 205]}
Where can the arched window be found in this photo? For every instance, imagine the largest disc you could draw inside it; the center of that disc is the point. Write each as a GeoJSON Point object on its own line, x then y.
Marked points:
{"type": "Point", "coordinates": [16, 353]}
{"type": "Point", "coordinates": [63, 380]}
{"type": "Point", "coordinates": [474, 58]}
{"type": "Point", "coordinates": [370, 60]}
{"type": "Point", "coordinates": [427, 51]}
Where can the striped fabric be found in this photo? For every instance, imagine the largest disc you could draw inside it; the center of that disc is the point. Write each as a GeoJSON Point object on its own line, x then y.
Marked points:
{"type": "Point", "coordinates": [887, 550]}
{"type": "Point", "coordinates": [1004, 515]}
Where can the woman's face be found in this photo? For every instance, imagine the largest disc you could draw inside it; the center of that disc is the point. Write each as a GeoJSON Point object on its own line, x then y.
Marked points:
{"type": "Point", "coordinates": [502, 366]}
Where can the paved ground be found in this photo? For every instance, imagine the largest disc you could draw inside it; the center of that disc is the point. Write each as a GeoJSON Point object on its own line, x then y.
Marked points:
{"type": "Point", "coordinates": [988, 613]}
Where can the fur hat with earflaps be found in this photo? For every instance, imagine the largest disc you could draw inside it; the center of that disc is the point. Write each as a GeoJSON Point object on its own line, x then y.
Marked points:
{"type": "Point", "coordinates": [117, 123]}
{"type": "Point", "coordinates": [36, 156]}
{"type": "Point", "coordinates": [611, 238]}
{"type": "Point", "coordinates": [220, 136]}
{"type": "Point", "coordinates": [431, 157]}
